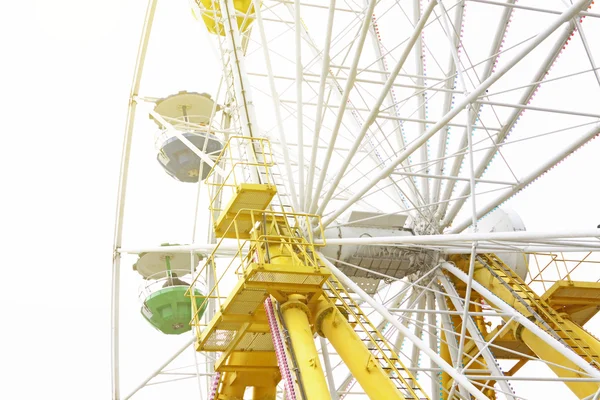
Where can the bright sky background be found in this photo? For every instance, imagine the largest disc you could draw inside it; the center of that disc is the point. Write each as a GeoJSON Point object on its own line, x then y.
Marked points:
{"type": "Point", "coordinates": [66, 68]}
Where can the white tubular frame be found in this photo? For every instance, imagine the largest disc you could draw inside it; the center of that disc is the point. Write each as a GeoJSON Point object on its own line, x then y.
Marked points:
{"type": "Point", "coordinates": [342, 107]}
{"type": "Point", "coordinates": [416, 144]}
{"type": "Point", "coordinates": [512, 119]}
{"type": "Point", "coordinates": [525, 181]}
{"type": "Point", "coordinates": [476, 336]}
{"type": "Point", "coordinates": [162, 366]}
{"type": "Point", "coordinates": [122, 192]}
{"type": "Point", "coordinates": [276, 107]}
{"type": "Point", "coordinates": [487, 71]}
{"type": "Point", "coordinates": [375, 108]}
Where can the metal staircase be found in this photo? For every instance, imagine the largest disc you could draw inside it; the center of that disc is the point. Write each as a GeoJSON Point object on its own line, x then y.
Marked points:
{"type": "Point", "coordinates": [546, 316]}
{"type": "Point", "coordinates": [383, 352]}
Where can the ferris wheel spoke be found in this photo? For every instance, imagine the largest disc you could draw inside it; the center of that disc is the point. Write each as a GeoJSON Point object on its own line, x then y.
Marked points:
{"type": "Point", "coordinates": [438, 168]}
{"type": "Point", "coordinates": [276, 105]}
{"type": "Point", "coordinates": [567, 15]}
{"type": "Point", "coordinates": [420, 69]}
{"type": "Point", "coordinates": [588, 51]}
{"type": "Point", "coordinates": [477, 338]}
{"type": "Point", "coordinates": [345, 188]}
{"type": "Point", "coordinates": [320, 97]}
{"type": "Point", "coordinates": [512, 119]}
{"type": "Point", "coordinates": [342, 105]}
{"type": "Point", "coordinates": [391, 95]}
{"type": "Point", "coordinates": [488, 69]}
{"type": "Point", "coordinates": [530, 8]}
{"type": "Point", "coordinates": [531, 177]}
{"type": "Point", "coordinates": [375, 108]}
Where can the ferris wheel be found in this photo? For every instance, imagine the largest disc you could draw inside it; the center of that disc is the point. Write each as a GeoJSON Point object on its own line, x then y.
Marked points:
{"type": "Point", "coordinates": [352, 163]}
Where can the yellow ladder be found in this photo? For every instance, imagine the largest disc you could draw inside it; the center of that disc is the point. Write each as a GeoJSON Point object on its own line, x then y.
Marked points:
{"type": "Point", "coordinates": [378, 345]}
{"type": "Point", "coordinates": [549, 319]}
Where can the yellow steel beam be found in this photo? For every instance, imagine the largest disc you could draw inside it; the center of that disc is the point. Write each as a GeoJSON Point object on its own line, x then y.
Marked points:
{"type": "Point", "coordinates": [513, 370]}
{"type": "Point", "coordinates": [333, 325]}
{"type": "Point", "coordinates": [561, 366]}
{"type": "Point", "coordinates": [249, 369]}
{"type": "Point", "coordinates": [296, 317]}
{"type": "Point", "coordinates": [580, 300]}
{"type": "Point", "coordinates": [579, 340]}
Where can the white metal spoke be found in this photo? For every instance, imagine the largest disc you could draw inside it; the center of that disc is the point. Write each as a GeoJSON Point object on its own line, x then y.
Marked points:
{"type": "Point", "coordinates": [525, 181]}
{"type": "Point", "coordinates": [375, 108]}
{"type": "Point", "coordinates": [495, 51]}
{"type": "Point", "coordinates": [513, 118]}
{"type": "Point", "coordinates": [349, 84]}
{"type": "Point", "coordinates": [479, 341]}
{"type": "Point", "coordinates": [567, 15]}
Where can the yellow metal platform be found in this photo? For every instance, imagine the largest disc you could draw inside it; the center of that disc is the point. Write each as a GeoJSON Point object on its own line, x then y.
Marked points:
{"type": "Point", "coordinates": [580, 300]}
{"type": "Point", "coordinates": [241, 324]}
{"type": "Point", "coordinates": [247, 197]}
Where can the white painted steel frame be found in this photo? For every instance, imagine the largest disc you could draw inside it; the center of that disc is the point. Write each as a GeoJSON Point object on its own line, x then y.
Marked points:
{"type": "Point", "coordinates": [416, 144]}
{"type": "Point", "coordinates": [478, 339]}
{"type": "Point", "coordinates": [121, 196]}
{"type": "Point", "coordinates": [532, 176]}
{"type": "Point", "coordinates": [375, 107]}
{"type": "Point", "coordinates": [311, 198]}
{"type": "Point", "coordinates": [545, 65]}
{"type": "Point", "coordinates": [158, 370]}
{"type": "Point", "coordinates": [343, 102]}
{"type": "Point", "coordinates": [276, 102]}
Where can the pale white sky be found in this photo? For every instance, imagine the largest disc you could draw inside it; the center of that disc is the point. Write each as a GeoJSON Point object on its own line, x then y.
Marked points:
{"type": "Point", "coordinates": [65, 71]}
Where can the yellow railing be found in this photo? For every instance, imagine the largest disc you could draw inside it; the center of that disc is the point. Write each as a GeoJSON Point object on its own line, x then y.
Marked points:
{"type": "Point", "coordinates": [276, 235]}
{"type": "Point", "coordinates": [242, 160]}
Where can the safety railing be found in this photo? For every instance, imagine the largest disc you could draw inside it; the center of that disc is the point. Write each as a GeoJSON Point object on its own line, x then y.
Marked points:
{"type": "Point", "coordinates": [242, 160]}
{"type": "Point", "coordinates": [276, 237]}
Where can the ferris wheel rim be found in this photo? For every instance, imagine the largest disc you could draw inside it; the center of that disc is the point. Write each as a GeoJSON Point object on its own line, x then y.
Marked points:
{"type": "Point", "coordinates": [305, 199]}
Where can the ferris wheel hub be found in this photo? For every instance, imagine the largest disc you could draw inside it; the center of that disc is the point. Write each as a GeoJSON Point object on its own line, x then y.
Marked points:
{"type": "Point", "coordinates": [376, 262]}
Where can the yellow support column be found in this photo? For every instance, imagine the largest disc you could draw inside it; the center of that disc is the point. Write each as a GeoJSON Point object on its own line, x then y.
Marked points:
{"type": "Point", "coordinates": [548, 353]}
{"type": "Point", "coordinates": [296, 316]}
{"type": "Point", "coordinates": [331, 324]}
{"type": "Point", "coordinates": [254, 369]}
{"type": "Point", "coordinates": [264, 393]}
{"type": "Point", "coordinates": [232, 387]}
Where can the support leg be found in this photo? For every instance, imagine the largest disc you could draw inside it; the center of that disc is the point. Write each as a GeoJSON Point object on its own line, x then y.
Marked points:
{"type": "Point", "coordinates": [264, 392]}
{"type": "Point", "coordinates": [296, 317]}
{"type": "Point", "coordinates": [332, 324]}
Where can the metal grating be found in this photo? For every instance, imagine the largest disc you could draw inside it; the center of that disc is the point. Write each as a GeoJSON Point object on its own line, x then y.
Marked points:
{"type": "Point", "coordinates": [247, 301]}
{"type": "Point", "coordinates": [281, 277]}
{"type": "Point", "coordinates": [219, 340]}
{"type": "Point", "coordinates": [253, 341]}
